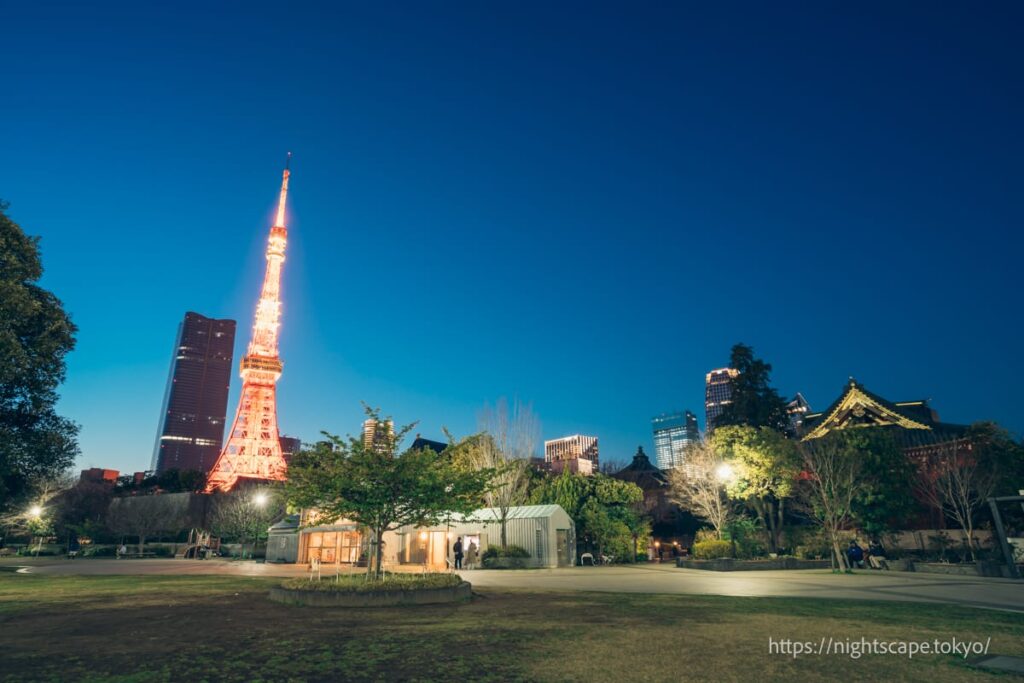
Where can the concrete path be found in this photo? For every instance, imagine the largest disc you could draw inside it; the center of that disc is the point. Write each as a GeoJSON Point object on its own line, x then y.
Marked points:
{"type": "Point", "coordinates": [1002, 594]}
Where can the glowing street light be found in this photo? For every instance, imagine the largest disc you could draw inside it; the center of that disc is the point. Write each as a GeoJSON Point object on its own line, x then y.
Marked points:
{"type": "Point", "coordinates": [260, 499]}
{"type": "Point", "coordinates": [724, 472]}
{"type": "Point", "coordinates": [36, 511]}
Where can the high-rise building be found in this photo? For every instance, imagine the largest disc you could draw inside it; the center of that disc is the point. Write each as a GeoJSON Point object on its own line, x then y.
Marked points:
{"type": "Point", "coordinates": [376, 433]}
{"type": "Point", "coordinates": [253, 448]}
{"type": "Point", "coordinates": [673, 434]}
{"type": "Point", "coordinates": [717, 394]}
{"type": "Point", "coordinates": [290, 445]}
{"type": "Point", "coordinates": [796, 410]}
{"type": "Point", "coordinates": [572, 447]}
{"type": "Point", "coordinates": [191, 430]}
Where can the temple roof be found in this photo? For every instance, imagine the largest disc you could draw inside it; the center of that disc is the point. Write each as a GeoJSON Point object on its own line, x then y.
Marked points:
{"type": "Point", "coordinates": [642, 472]}
{"type": "Point", "coordinates": [914, 422]}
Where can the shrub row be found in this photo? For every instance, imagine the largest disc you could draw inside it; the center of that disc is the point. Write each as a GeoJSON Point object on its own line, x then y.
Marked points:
{"type": "Point", "coordinates": [359, 583]}
{"type": "Point", "coordinates": [508, 551]}
{"type": "Point", "coordinates": [712, 549]}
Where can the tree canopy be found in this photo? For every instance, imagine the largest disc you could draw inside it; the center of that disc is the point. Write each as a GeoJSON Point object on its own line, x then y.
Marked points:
{"type": "Point", "coordinates": [753, 401]}
{"type": "Point", "coordinates": [381, 487]}
{"type": "Point", "coordinates": [35, 336]}
{"type": "Point", "coordinates": [604, 509]}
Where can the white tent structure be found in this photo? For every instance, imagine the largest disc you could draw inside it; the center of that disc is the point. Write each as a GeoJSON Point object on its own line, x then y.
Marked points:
{"type": "Point", "coordinates": [545, 531]}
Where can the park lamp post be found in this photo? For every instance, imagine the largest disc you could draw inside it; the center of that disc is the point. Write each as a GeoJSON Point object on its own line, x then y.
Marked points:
{"type": "Point", "coordinates": [260, 501]}
{"type": "Point", "coordinates": [36, 513]}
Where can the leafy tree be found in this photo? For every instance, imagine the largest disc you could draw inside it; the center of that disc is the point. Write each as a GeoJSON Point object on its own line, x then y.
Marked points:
{"type": "Point", "coordinates": [35, 336]}
{"type": "Point", "coordinates": [754, 402]}
{"type": "Point", "coordinates": [604, 510]}
{"type": "Point", "coordinates": [886, 498]}
{"type": "Point", "coordinates": [765, 467]}
{"type": "Point", "coordinates": [381, 487]}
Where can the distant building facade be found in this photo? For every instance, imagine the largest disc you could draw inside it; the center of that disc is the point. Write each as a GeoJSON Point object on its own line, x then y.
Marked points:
{"type": "Point", "coordinates": [717, 394]}
{"type": "Point", "coordinates": [290, 445]}
{"type": "Point", "coordinates": [191, 430]}
{"type": "Point", "coordinates": [673, 434]}
{"type": "Point", "coordinates": [572, 447]}
{"type": "Point", "coordinates": [796, 411]}
{"type": "Point", "coordinates": [98, 475]}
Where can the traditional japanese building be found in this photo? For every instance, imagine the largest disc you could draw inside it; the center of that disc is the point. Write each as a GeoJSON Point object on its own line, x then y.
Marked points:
{"type": "Point", "coordinates": [914, 424]}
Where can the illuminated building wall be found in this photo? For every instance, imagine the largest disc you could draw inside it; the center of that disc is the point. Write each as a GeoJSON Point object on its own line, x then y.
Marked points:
{"type": "Point", "coordinates": [673, 434]}
{"type": "Point", "coordinates": [569, 447]}
{"type": "Point", "coordinates": [717, 394]}
{"type": "Point", "coordinates": [191, 429]}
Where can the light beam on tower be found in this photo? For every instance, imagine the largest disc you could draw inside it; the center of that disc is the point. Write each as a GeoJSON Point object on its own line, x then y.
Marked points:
{"type": "Point", "coordinates": [253, 446]}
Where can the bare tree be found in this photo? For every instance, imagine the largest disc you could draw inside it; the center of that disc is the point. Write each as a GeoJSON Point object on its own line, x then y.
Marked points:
{"type": "Point", "coordinates": [957, 479]}
{"type": "Point", "coordinates": [246, 513]}
{"type": "Point", "coordinates": [145, 516]}
{"type": "Point", "coordinates": [832, 482]}
{"type": "Point", "coordinates": [698, 486]}
{"type": "Point", "coordinates": [509, 437]}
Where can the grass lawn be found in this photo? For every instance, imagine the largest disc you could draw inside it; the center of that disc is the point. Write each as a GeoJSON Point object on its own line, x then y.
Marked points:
{"type": "Point", "coordinates": [195, 628]}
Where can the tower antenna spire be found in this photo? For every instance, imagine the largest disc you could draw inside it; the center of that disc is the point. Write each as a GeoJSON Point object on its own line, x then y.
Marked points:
{"type": "Point", "coordinates": [279, 223]}
{"type": "Point", "coordinates": [253, 446]}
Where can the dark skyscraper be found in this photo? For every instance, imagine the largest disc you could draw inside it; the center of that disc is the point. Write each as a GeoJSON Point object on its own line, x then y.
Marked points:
{"type": "Point", "coordinates": [191, 430]}
{"type": "Point", "coordinates": [717, 394]}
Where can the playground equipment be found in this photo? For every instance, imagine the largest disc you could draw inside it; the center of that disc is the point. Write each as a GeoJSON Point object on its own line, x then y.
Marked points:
{"type": "Point", "coordinates": [201, 545]}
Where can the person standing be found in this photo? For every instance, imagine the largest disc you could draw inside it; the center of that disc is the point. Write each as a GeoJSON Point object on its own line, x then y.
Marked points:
{"type": "Point", "coordinates": [471, 555]}
{"type": "Point", "coordinates": [457, 552]}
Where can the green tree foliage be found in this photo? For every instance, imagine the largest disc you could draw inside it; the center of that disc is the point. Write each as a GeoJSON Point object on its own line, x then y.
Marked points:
{"type": "Point", "coordinates": [35, 336]}
{"type": "Point", "coordinates": [886, 499]}
{"type": "Point", "coordinates": [380, 487]}
{"type": "Point", "coordinates": [765, 467]}
{"type": "Point", "coordinates": [754, 402]}
{"type": "Point", "coordinates": [605, 511]}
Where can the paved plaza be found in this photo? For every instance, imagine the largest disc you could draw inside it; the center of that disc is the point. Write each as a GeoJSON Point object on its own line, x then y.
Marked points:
{"type": "Point", "coordinates": [1002, 594]}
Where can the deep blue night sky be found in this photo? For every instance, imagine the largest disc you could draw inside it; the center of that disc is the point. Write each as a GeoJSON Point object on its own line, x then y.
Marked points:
{"type": "Point", "coordinates": [585, 207]}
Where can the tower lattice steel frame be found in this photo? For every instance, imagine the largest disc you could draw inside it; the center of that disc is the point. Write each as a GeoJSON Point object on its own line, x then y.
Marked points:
{"type": "Point", "coordinates": [253, 446]}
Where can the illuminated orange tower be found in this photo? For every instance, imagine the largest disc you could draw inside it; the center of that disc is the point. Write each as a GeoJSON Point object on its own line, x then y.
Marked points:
{"type": "Point", "coordinates": [253, 446]}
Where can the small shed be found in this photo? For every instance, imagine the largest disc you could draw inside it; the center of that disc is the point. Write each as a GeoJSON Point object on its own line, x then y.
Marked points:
{"type": "Point", "coordinates": [283, 540]}
{"type": "Point", "coordinates": [545, 531]}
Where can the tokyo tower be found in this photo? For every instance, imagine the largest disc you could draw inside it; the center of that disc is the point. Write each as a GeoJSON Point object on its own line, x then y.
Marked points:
{"type": "Point", "coordinates": [253, 446]}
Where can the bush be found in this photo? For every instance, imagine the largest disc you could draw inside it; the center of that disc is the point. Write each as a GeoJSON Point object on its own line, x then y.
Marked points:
{"type": "Point", "coordinates": [99, 551]}
{"type": "Point", "coordinates": [712, 550]}
{"type": "Point", "coordinates": [508, 551]}
{"type": "Point", "coordinates": [358, 583]}
{"type": "Point", "coordinates": [161, 551]}
{"type": "Point", "coordinates": [705, 535]}
{"type": "Point", "coordinates": [747, 535]}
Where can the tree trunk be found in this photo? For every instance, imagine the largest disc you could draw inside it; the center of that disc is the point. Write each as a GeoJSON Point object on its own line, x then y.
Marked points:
{"type": "Point", "coordinates": [504, 542]}
{"type": "Point", "coordinates": [969, 529]}
{"type": "Point", "coordinates": [142, 543]}
{"type": "Point", "coordinates": [380, 554]}
{"type": "Point", "coordinates": [840, 558]}
{"type": "Point", "coordinates": [370, 556]}
{"type": "Point", "coordinates": [781, 512]}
